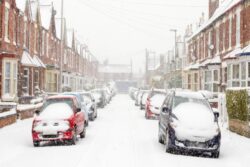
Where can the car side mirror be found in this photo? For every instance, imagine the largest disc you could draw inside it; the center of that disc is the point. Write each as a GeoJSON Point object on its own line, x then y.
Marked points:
{"type": "Point", "coordinates": [165, 110]}
{"type": "Point", "coordinates": [78, 110]}
{"type": "Point", "coordinates": [216, 114]}
{"type": "Point", "coordinates": [37, 112]}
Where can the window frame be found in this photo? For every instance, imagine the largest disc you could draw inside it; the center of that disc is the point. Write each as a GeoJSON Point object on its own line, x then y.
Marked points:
{"type": "Point", "coordinates": [12, 94]}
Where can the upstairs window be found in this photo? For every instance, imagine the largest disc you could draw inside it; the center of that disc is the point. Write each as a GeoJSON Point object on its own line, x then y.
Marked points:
{"type": "Point", "coordinates": [6, 22]}
{"type": "Point", "coordinates": [238, 28]}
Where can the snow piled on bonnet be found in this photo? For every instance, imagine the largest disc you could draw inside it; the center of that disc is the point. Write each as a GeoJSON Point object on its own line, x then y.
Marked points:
{"type": "Point", "coordinates": [56, 111]}
{"type": "Point", "coordinates": [194, 120]}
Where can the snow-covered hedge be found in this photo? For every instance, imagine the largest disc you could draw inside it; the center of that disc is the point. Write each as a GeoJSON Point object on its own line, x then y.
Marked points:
{"type": "Point", "coordinates": [237, 104]}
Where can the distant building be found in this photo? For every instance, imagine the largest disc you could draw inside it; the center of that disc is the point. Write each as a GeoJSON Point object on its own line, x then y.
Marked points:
{"type": "Point", "coordinates": [114, 72]}
{"type": "Point", "coordinates": [218, 51]}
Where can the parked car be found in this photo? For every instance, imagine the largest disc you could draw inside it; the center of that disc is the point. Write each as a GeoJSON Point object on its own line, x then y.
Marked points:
{"type": "Point", "coordinates": [144, 98]}
{"type": "Point", "coordinates": [138, 97]}
{"type": "Point", "coordinates": [154, 102]}
{"type": "Point", "coordinates": [83, 106]}
{"type": "Point", "coordinates": [100, 98]}
{"type": "Point", "coordinates": [187, 123]}
{"type": "Point", "coordinates": [107, 94]}
{"type": "Point", "coordinates": [132, 91]}
{"type": "Point", "coordinates": [90, 103]}
{"type": "Point", "coordinates": [60, 119]}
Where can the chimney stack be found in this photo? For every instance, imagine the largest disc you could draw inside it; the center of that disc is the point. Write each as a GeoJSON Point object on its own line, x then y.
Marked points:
{"type": "Point", "coordinates": [213, 5]}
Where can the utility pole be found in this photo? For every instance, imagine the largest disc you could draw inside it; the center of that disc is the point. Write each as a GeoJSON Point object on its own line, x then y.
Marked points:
{"type": "Point", "coordinates": [62, 45]}
{"type": "Point", "coordinates": [175, 54]}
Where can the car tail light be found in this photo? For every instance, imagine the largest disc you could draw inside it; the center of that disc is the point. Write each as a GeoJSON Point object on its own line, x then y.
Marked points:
{"type": "Point", "coordinates": [71, 122]}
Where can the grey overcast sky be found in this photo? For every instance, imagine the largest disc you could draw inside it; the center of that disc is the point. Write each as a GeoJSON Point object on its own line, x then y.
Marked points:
{"type": "Point", "coordinates": [120, 30]}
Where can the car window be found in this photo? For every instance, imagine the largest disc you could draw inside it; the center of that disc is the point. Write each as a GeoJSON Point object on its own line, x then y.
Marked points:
{"type": "Point", "coordinates": [177, 100]}
{"type": "Point", "coordinates": [58, 100]}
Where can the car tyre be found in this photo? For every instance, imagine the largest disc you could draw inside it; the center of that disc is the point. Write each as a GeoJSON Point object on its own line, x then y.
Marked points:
{"type": "Point", "coordinates": [86, 123]}
{"type": "Point", "coordinates": [160, 137]}
{"type": "Point", "coordinates": [215, 154]}
{"type": "Point", "coordinates": [74, 138]}
{"type": "Point", "coordinates": [146, 115]}
{"type": "Point", "coordinates": [168, 148]}
{"type": "Point", "coordinates": [36, 143]}
{"type": "Point", "coordinates": [83, 134]}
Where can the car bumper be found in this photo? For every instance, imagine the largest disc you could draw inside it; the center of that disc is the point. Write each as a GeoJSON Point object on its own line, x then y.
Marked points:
{"type": "Point", "coordinates": [198, 149]}
{"type": "Point", "coordinates": [59, 136]}
{"type": "Point", "coordinates": [194, 146]}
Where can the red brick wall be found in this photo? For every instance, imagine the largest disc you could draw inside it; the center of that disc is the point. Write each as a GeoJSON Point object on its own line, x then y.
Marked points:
{"type": "Point", "coordinates": [226, 40]}
{"type": "Point", "coordinates": [233, 37]}
{"type": "Point", "coordinates": [213, 5]}
{"type": "Point", "coordinates": [245, 24]}
{"type": "Point", "coordinates": [7, 120]}
{"type": "Point", "coordinates": [221, 29]}
{"type": "Point", "coordinates": [1, 18]}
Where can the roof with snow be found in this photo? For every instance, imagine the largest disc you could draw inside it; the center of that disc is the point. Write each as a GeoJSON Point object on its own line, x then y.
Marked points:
{"type": "Point", "coordinates": [34, 5]}
{"type": "Point", "coordinates": [46, 14]}
{"type": "Point", "coordinates": [58, 27]}
{"type": "Point", "coordinates": [69, 38]}
{"type": "Point", "coordinates": [245, 51]}
{"type": "Point", "coordinates": [27, 60]}
{"type": "Point", "coordinates": [21, 4]}
{"type": "Point", "coordinates": [225, 6]}
{"type": "Point", "coordinates": [232, 54]}
{"type": "Point", "coordinates": [114, 68]}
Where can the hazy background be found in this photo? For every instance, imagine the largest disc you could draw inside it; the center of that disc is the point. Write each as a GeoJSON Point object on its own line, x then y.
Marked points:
{"type": "Point", "coordinates": [120, 30]}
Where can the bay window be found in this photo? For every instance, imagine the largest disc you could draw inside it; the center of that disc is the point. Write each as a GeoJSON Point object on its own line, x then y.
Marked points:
{"type": "Point", "coordinates": [208, 80]}
{"type": "Point", "coordinates": [25, 81]}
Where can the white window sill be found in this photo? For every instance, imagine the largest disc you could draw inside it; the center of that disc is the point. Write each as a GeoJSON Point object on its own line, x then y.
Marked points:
{"type": "Point", "coordinates": [7, 40]}
{"type": "Point", "coordinates": [10, 98]}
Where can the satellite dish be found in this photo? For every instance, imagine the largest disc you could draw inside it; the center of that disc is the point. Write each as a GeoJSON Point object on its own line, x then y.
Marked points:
{"type": "Point", "coordinates": [211, 47]}
{"type": "Point", "coordinates": [193, 58]}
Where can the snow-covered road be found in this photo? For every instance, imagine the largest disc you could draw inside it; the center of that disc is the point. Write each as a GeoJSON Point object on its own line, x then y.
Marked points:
{"type": "Point", "coordinates": [119, 137]}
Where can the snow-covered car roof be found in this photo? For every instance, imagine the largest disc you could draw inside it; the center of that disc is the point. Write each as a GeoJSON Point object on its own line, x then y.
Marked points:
{"type": "Point", "coordinates": [196, 95]}
{"type": "Point", "coordinates": [56, 111]}
{"type": "Point", "coordinates": [61, 97]}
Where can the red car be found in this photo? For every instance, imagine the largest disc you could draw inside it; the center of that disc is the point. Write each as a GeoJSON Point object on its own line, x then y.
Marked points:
{"type": "Point", "coordinates": [60, 119]}
{"type": "Point", "coordinates": [154, 101]}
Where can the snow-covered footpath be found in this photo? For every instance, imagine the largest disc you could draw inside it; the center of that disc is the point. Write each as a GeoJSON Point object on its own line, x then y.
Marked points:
{"type": "Point", "coordinates": [119, 137]}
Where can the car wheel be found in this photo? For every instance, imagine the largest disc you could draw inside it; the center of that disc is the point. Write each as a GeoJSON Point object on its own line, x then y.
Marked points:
{"type": "Point", "coordinates": [83, 134]}
{"type": "Point", "coordinates": [160, 136]}
{"type": "Point", "coordinates": [74, 138]}
{"type": "Point", "coordinates": [36, 143]}
{"type": "Point", "coordinates": [215, 154]}
{"type": "Point", "coordinates": [146, 115]}
{"type": "Point", "coordinates": [86, 123]}
{"type": "Point", "coordinates": [167, 143]}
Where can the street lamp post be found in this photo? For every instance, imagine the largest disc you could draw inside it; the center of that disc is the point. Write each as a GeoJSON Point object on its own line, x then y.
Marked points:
{"type": "Point", "coordinates": [175, 54]}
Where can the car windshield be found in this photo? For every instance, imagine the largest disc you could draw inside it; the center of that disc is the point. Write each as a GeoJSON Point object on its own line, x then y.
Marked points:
{"type": "Point", "coordinates": [179, 100]}
{"type": "Point", "coordinates": [59, 100]}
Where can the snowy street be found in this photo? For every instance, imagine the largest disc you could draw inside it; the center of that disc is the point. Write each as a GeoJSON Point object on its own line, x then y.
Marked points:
{"type": "Point", "coordinates": [120, 136]}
